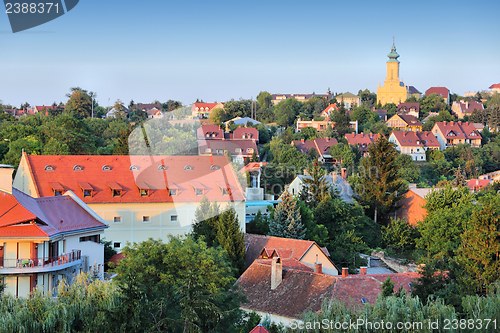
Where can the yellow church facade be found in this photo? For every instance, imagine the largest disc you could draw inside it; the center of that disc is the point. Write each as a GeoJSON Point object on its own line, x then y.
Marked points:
{"type": "Point", "coordinates": [393, 90]}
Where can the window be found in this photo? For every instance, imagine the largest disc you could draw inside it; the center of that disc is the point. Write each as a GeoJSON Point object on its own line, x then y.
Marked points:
{"type": "Point", "coordinates": [172, 192]}
{"type": "Point", "coordinates": [49, 168]}
{"type": "Point", "coordinates": [146, 219]}
{"type": "Point", "coordinates": [87, 193]}
{"type": "Point", "coordinates": [106, 168]}
{"type": "Point", "coordinates": [143, 192]}
{"type": "Point", "coordinates": [117, 245]}
{"type": "Point", "coordinates": [77, 168]}
{"type": "Point", "coordinates": [93, 238]}
{"type": "Point", "coordinates": [225, 191]}
{"type": "Point", "coordinates": [57, 193]}
{"type": "Point", "coordinates": [214, 167]}
{"type": "Point", "coordinates": [364, 300]}
{"type": "Point", "coordinates": [117, 193]}
{"type": "Point", "coordinates": [188, 167]}
{"type": "Point", "coordinates": [162, 167]}
{"type": "Point", "coordinates": [250, 150]}
{"type": "Point", "coordinates": [173, 218]}
{"type": "Point", "coordinates": [134, 168]}
{"type": "Point", "coordinates": [117, 219]}
{"type": "Point", "coordinates": [198, 191]}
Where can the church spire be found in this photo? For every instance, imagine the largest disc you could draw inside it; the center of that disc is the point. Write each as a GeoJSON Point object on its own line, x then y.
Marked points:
{"type": "Point", "coordinates": [393, 55]}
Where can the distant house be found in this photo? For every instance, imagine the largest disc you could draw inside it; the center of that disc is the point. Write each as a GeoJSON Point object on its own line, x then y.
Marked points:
{"type": "Point", "coordinates": [284, 289]}
{"type": "Point", "coordinates": [382, 114]}
{"type": "Point", "coordinates": [293, 252]}
{"type": "Point", "coordinates": [493, 176]}
{"type": "Point", "coordinates": [412, 207]}
{"type": "Point", "coordinates": [412, 91]}
{"type": "Point", "coordinates": [455, 133]}
{"type": "Point", "coordinates": [402, 122]}
{"type": "Point", "coordinates": [241, 144]}
{"type": "Point", "coordinates": [350, 100]}
{"type": "Point", "coordinates": [478, 184]}
{"type": "Point", "coordinates": [239, 121]}
{"type": "Point", "coordinates": [414, 144]}
{"type": "Point", "coordinates": [318, 125]}
{"type": "Point", "coordinates": [495, 88]}
{"type": "Point", "coordinates": [327, 112]}
{"type": "Point", "coordinates": [320, 145]}
{"type": "Point", "coordinates": [361, 140]}
{"type": "Point", "coordinates": [336, 183]}
{"type": "Point", "coordinates": [466, 108]}
{"type": "Point", "coordinates": [202, 110]}
{"type": "Point", "coordinates": [113, 112]}
{"type": "Point", "coordinates": [409, 108]}
{"type": "Point", "coordinates": [259, 329]}
{"type": "Point", "coordinates": [45, 240]}
{"type": "Point", "coordinates": [441, 91]}
{"type": "Point", "coordinates": [43, 109]}
{"type": "Point", "coordinates": [276, 98]}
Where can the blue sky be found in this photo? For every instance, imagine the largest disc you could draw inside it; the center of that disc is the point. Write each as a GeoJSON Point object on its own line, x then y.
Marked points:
{"type": "Point", "coordinates": [218, 50]}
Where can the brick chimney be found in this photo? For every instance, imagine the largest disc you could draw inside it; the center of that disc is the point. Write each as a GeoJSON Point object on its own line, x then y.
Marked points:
{"type": "Point", "coordinates": [345, 272]}
{"type": "Point", "coordinates": [318, 267]}
{"type": "Point", "coordinates": [6, 178]}
{"type": "Point", "coordinates": [276, 273]}
{"type": "Point", "coordinates": [362, 270]}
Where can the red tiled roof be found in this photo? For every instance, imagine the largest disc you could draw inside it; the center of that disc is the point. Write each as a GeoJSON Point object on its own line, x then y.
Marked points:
{"type": "Point", "coordinates": [321, 145]}
{"type": "Point", "coordinates": [470, 106]}
{"type": "Point", "coordinates": [116, 258]}
{"type": "Point", "coordinates": [354, 139]}
{"type": "Point", "coordinates": [409, 105]}
{"type": "Point", "coordinates": [495, 86]}
{"type": "Point", "coordinates": [477, 184]}
{"type": "Point", "coordinates": [458, 130]}
{"type": "Point", "coordinates": [52, 215]}
{"type": "Point", "coordinates": [259, 329]}
{"type": "Point", "coordinates": [245, 133]}
{"type": "Point", "coordinates": [329, 109]}
{"type": "Point", "coordinates": [298, 292]}
{"type": "Point", "coordinates": [210, 106]}
{"type": "Point", "coordinates": [302, 291]}
{"type": "Point", "coordinates": [410, 120]}
{"type": "Point", "coordinates": [159, 173]}
{"type": "Point", "coordinates": [252, 166]}
{"type": "Point", "coordinates": [416, 139]}
{"type": "Point", "coordinates": [287, 248]}
{"type": "Point", "coordinates": [443, 91]}
{"type": "Point", "coordinates": [212, 132]}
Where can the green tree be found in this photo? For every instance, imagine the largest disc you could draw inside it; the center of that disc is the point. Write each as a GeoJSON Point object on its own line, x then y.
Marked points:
{"type": "Point", "coordinates": [264, 99]}
{"type": "Point", "coordinates": [286, 221]}
{"type": "Point", "coordinates": [346, 155]}
{"type": "Point", "coordinates": [380, 187]}
{"type": "Point", "coordinates": [398, 235]}
{"type": "Point", "coordinates": [287, 111]}
{"type": "Point", "coordinates": [341, 120]}
{"type": "Point", "coordinates": [387, 288]}
{"type": "Point", "coordinates": [230, 237]}
{"type": "Point", "coordinates": [79, 103]}
{"type": "Point", "coordinates": [479, 251]}
{"type": "Point", "coordinates": [205, 221]}
{"type": "Point", "coordinates": [217, 116]}
{"type": "Point", "coordinates": [182, 285]}
{"type": "Point", "coordinates": [315, 188]}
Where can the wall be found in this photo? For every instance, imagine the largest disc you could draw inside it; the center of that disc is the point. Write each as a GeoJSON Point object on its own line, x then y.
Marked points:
{"type": "Point", "coordinates": [310, 258]}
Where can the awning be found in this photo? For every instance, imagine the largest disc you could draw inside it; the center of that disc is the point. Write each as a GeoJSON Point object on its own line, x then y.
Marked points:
{"type": "Point", "coordinates": [57, 187]}
{"type": "Point", "coordinates": [115, 186]}
{"type": "Point", "coordinates": [85, 186]}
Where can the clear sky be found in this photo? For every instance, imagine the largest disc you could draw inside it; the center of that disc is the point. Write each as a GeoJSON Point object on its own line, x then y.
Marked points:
{"type": "Point", "coordinates": [218, 50]}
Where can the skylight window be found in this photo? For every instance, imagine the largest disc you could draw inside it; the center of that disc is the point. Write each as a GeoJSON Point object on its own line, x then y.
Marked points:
{"type": "Point", "coordinates": [77, 168]}
{"type": "Point", "coordinates": [106, 168]}
{"type": "Point", "coordinates": [49, 168]}
{"type": "Point", "coordinates": [162, 167]}
{"type": "Point", "coordinates": [188, 167]}
{"type": "Point", "coordinates": [134, 168]}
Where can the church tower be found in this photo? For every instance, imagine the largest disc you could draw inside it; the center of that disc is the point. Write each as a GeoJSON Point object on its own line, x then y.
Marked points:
{"type": "Point", "coordinates": [393, 90]}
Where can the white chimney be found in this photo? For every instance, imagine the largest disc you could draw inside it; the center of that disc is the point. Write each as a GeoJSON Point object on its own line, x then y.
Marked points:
{"type": "Point", "coordinates": [6, 178]}
{"type": "Point", "coordinates": [276, 273]}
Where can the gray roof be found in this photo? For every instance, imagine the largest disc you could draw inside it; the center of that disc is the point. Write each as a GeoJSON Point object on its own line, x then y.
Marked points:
{"type": "Point", "coordinates": [343, 188]}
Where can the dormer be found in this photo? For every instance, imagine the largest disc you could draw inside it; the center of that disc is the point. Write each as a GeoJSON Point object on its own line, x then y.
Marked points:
{"type": "Point", "coordinates": [106, 168]}
{"type": "Point", "coordinates": [49, 168]}
{"type": "Point", "coordinates": [77, 168]}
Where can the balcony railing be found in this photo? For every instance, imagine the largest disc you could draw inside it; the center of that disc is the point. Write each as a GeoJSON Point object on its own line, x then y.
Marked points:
{"type": "Point", "coordinates": [42, 261]}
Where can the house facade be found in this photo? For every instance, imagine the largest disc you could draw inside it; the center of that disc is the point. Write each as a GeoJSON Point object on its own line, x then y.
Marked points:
{"type": "Point", "coordinates": [409, 108]}
{"type": "Point", "coordinates": [276, 98]}
{"type": "Point", "coordinates": [139, 197]}
{"type": "Point", "coordinates": [402, 122]}
{"type": "Point", "coordinates": [414, 144]}
{"type": "Point", "coordinates": [466, 108]}
{"type": "Point", "coordinates": [201, 110]}
{"type": "Point", "coordinates": [45, 240]}
{"type": "Point", "coordinates": [321, 146]}
{"type": "Point", "coordinates": [361, 140]}
{"type": "Point", "coordinates": [453, 133]}
{"type": "Point", "coordinates": [349, 99]}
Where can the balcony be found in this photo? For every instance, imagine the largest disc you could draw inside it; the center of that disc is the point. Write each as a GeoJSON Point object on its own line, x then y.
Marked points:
{"type": "Point", "coordinates": [40, 265]}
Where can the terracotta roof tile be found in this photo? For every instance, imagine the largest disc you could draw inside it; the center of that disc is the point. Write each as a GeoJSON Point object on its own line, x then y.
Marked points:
{"type": "Point", "coordinates": [160, 173]}
{"type": "Point", "coordinates": [443, 91]}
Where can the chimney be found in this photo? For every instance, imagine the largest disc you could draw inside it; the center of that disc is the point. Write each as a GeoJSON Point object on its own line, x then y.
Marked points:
{"type": "Point", "coordinates": [6, 178]}
{"type": "Point", "coordinates": [302, 140]}
{"type": "Point", "coordinates": [345, 272]}
{"type": "Point", "coordinates": [362, 270]}
{"type": "Point", "coordinates": [343, 173]}
{"type": "Point", "coordinates": [276, 272]}
{"type": "Point", "coordinates": [318, 267]}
